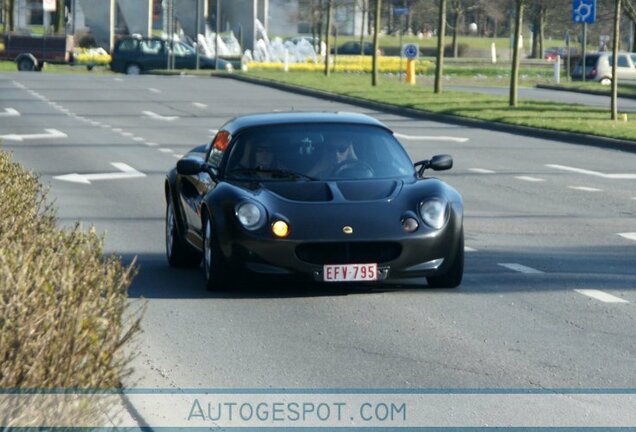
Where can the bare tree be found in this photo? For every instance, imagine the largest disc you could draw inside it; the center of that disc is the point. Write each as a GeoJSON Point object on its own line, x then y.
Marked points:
{"type": "Point", "coordinates": [516, 54]}
{"type": "Point", "coordinates": [376, 41]}
{"type": "Point", "coordinates": [615, 41]}
{"type": "Point", "coordinates": [441, 30]}
{"type": "Point", "coordinates": [328, 36]}
{"type": "Point", "coordinates": [58, 24]}
{"type": "Point", "coordinates": [9, 6]}
{"type": "Point", "coordinates": [363, 6]}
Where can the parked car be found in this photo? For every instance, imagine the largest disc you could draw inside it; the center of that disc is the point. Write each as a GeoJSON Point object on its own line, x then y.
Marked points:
{"type": "Point", "coordinates": [598, 67]}
{"type": "Point", "coordinates": [134, 55]}
{"type": "Point", "coordinates": [332, 197]}
{"type": "Point", "coordinates": [353, 48]}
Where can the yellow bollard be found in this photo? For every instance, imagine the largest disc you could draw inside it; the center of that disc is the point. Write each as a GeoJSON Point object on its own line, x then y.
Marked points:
{"type": "Point", "coordinates": [410, 72]}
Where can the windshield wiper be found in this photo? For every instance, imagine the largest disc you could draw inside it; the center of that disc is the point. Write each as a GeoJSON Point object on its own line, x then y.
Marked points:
{"type": "Point", "coordinates": [275, 172]}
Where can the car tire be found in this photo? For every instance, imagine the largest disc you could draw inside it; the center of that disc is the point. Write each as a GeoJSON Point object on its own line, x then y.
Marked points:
{"type": "Point", "coordinates": [178, 252]}
{"type": "Point", "coordinates": [26, 64]}
{"type": "Point", "coordinates": [455, 273]}
{"type": "Point", "coordinates": [215, 269]}
{"type": "Point", "coordinates": [133, 69]}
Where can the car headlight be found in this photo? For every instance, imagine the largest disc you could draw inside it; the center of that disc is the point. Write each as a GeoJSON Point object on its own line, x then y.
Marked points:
{"type": "Point", "coordinates": [434, 212]}
{"type": "Point", "coordinates": [250, 215]}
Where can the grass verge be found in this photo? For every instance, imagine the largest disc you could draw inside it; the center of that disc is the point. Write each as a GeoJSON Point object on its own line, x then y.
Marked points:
{"type": "Point", "coordinates": [492, 108]}
{"type": "Point", "coordinates": [62, 303]}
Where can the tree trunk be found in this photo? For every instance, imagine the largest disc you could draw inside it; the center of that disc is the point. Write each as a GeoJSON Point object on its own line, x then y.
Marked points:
{"type": "Point", "coordinates": [456, 16]}
{"type": "Point", "coordinates": [376, 43]}
{"type": "Point", "coordinates": [536, 52]}
{"type": "Point", "coordinates": [10, 10]}
{"type": "Point", "coordinates": [615, 37]}
{"type": "Point", "coordinates": [365, 7]}
{"type": "Point", "coordinates": [514, 76]}
{"type": "Point", "coordinates": [542, 20]}
{"type": "Point", "coordinates": [328, 37]}
{"type": "Point", "coordinates": [58, 25]}
{"type": "Point", "coordinates": [441, 27]}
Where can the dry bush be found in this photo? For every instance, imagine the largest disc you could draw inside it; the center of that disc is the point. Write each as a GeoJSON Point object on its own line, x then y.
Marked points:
{"type": "Point", "coordinates": [62, 303]}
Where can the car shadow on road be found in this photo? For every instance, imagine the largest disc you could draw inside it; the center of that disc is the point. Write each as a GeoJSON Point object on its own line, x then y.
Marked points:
{"type": "Point", "coordinates": [157, 280]}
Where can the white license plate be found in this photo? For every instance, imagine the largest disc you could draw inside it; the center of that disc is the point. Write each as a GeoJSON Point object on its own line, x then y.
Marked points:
{"type": "Point", "coordinates": [349, 272]}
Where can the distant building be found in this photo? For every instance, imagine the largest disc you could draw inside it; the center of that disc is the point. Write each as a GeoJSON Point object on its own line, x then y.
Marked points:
{"type": "Point", "coordinates": [294, 17]}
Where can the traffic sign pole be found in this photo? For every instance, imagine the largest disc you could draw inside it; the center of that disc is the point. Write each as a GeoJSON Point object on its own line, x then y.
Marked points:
{"type": "Point", "coordinates": [583, 59]}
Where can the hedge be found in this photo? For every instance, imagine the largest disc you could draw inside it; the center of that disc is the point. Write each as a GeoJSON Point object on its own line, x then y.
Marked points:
{"type": "Point", "coordinates": [63, 305]}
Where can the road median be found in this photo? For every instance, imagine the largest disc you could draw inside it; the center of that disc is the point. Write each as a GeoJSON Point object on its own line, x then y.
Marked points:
{"type": "Point", "coordinates": [547, 120]}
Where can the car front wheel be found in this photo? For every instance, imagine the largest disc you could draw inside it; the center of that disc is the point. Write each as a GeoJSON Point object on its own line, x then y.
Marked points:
{"type": "Point", "coordinates": [217, 274]}
{"type": "Point", "coordinates": [178, 252]}
{"type": "Point", "coordinates": [133, 69]}
{"type": "Point", "coordinates": [455, 273]}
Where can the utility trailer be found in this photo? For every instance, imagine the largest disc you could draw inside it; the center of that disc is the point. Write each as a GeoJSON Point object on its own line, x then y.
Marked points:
{"type": "Point", "coordinates": [31, 52]}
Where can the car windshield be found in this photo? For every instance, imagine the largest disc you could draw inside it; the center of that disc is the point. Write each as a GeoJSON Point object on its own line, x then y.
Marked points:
{"type": "Point", "coordinates": [311, 152]}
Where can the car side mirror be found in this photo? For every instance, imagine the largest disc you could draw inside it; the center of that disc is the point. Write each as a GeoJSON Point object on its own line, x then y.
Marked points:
{"type": "Point", "coordinates": [191, 165]}
{"type": "Point", "coordinates": [437, 163]}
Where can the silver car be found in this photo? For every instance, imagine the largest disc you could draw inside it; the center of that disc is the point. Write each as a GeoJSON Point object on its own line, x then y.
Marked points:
{"type": "Point", "coordinates": [598, 67]}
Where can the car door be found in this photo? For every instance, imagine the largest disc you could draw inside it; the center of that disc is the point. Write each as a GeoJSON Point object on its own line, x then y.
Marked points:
{"type": "Point", "coordinates": [624, 68]}
{"type": "Point", "coordinates": [152, 54]}
{"type": "Point", "coordinates": [193, 189]}
{"type": "Point", "coordinates": [184, 56]}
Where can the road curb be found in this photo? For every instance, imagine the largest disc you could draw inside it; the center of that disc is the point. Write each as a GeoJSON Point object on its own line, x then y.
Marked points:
{"type": "Point", "coordinates": [567, 137]}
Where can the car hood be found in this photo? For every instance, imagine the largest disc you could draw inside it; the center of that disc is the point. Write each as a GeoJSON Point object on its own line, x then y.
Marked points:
{"type": "Point", "coordinates": [335, 191]}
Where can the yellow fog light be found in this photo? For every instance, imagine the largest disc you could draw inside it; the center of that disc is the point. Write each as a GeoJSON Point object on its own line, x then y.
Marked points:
{"type": "Point", "coordinates": [280, 228]}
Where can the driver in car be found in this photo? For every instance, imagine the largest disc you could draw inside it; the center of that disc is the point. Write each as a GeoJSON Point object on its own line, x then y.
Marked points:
{"type": "Point", "coordinates": [338, 151]}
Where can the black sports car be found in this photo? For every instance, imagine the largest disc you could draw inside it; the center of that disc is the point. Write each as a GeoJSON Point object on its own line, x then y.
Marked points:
{"type": "Point", "coordinates": [331, 196]}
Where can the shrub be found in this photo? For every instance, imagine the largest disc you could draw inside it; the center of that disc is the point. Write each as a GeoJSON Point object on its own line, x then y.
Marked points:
{"type": "Point", "coordinates": [62, 303]}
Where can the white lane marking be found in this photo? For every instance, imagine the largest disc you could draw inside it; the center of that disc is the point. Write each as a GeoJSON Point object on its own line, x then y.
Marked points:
{"type": "Point", "coordinates": [166, 150]}
{"type": "Point", "coordinates": [117, 130]}
{"type": "Point", "coordinates": [594, 173]}
{"type": "Point", "coordinates": [585, 189]}
{"type": "Point", "coordinates": [138, 139]}
{"type": "Point", "coordinates": [214, 131]}
{"type": "Point", "coordinates": [178, 156]}
{"type": "Point", "coordinates": [481, 171]}
{"type": "Point", "coordinates": [628, 236]}
{"type": "Point", "coordinates": [118, 79]}
{"type": "Point", "coordinates": [601, 296]}
{"type": "Point", "coordinates": [19, 85]}
{"type": "Point", "coordinates": [520, 268]}
{"type": "Point", "coordinates": [125, 172]}
{"type": "Point", "coordinates": [199, 105]}
{"type": "Point", "coordinates": [151, 144]}
{"type": "Point", "coordinates": [105, 126]}
{"type": "Point", "coordinates": [430, 138]}
{"type": "Point", "coordinates": [154, 90]}
{"type": "Point", "coordinates": [530, 179]}
{"type": "Point", "coordinates": [156, 116]}
{"type": "Point", "coordinates": [10, 112]}
{"type": "Point", "coordinates": [469, 249]}
{"type": "Point", "coordinates": [50, 134]}
{"type": "Point", "coordinates": [95, 123]}
{"type": "Point", "coordinates": [127, 134]}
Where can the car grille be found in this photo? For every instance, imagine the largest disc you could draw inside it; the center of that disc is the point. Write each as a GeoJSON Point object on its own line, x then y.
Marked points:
{"type": "Point", "coordinates": [348, 252]}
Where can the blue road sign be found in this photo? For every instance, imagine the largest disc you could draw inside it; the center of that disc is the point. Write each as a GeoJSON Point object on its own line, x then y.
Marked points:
{"type": "Point", "coordinates": [584, 11]}
{"type": "Point", "coordinates": [401, 11]}
{"type": "Point", "coordinates": [411, 51]}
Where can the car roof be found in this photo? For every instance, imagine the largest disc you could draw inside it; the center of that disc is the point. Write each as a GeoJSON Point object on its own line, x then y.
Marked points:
{"type": "Point", "coordinates": [271, 119]}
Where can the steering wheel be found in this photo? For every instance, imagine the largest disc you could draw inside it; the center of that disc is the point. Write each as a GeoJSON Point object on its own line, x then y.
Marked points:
{"type": "Point", "coordinates": [353, 169]}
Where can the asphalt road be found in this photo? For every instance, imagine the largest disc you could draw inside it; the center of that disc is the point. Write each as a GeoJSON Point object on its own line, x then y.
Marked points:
{"type": "Point", "coordinates": [545, 222]}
